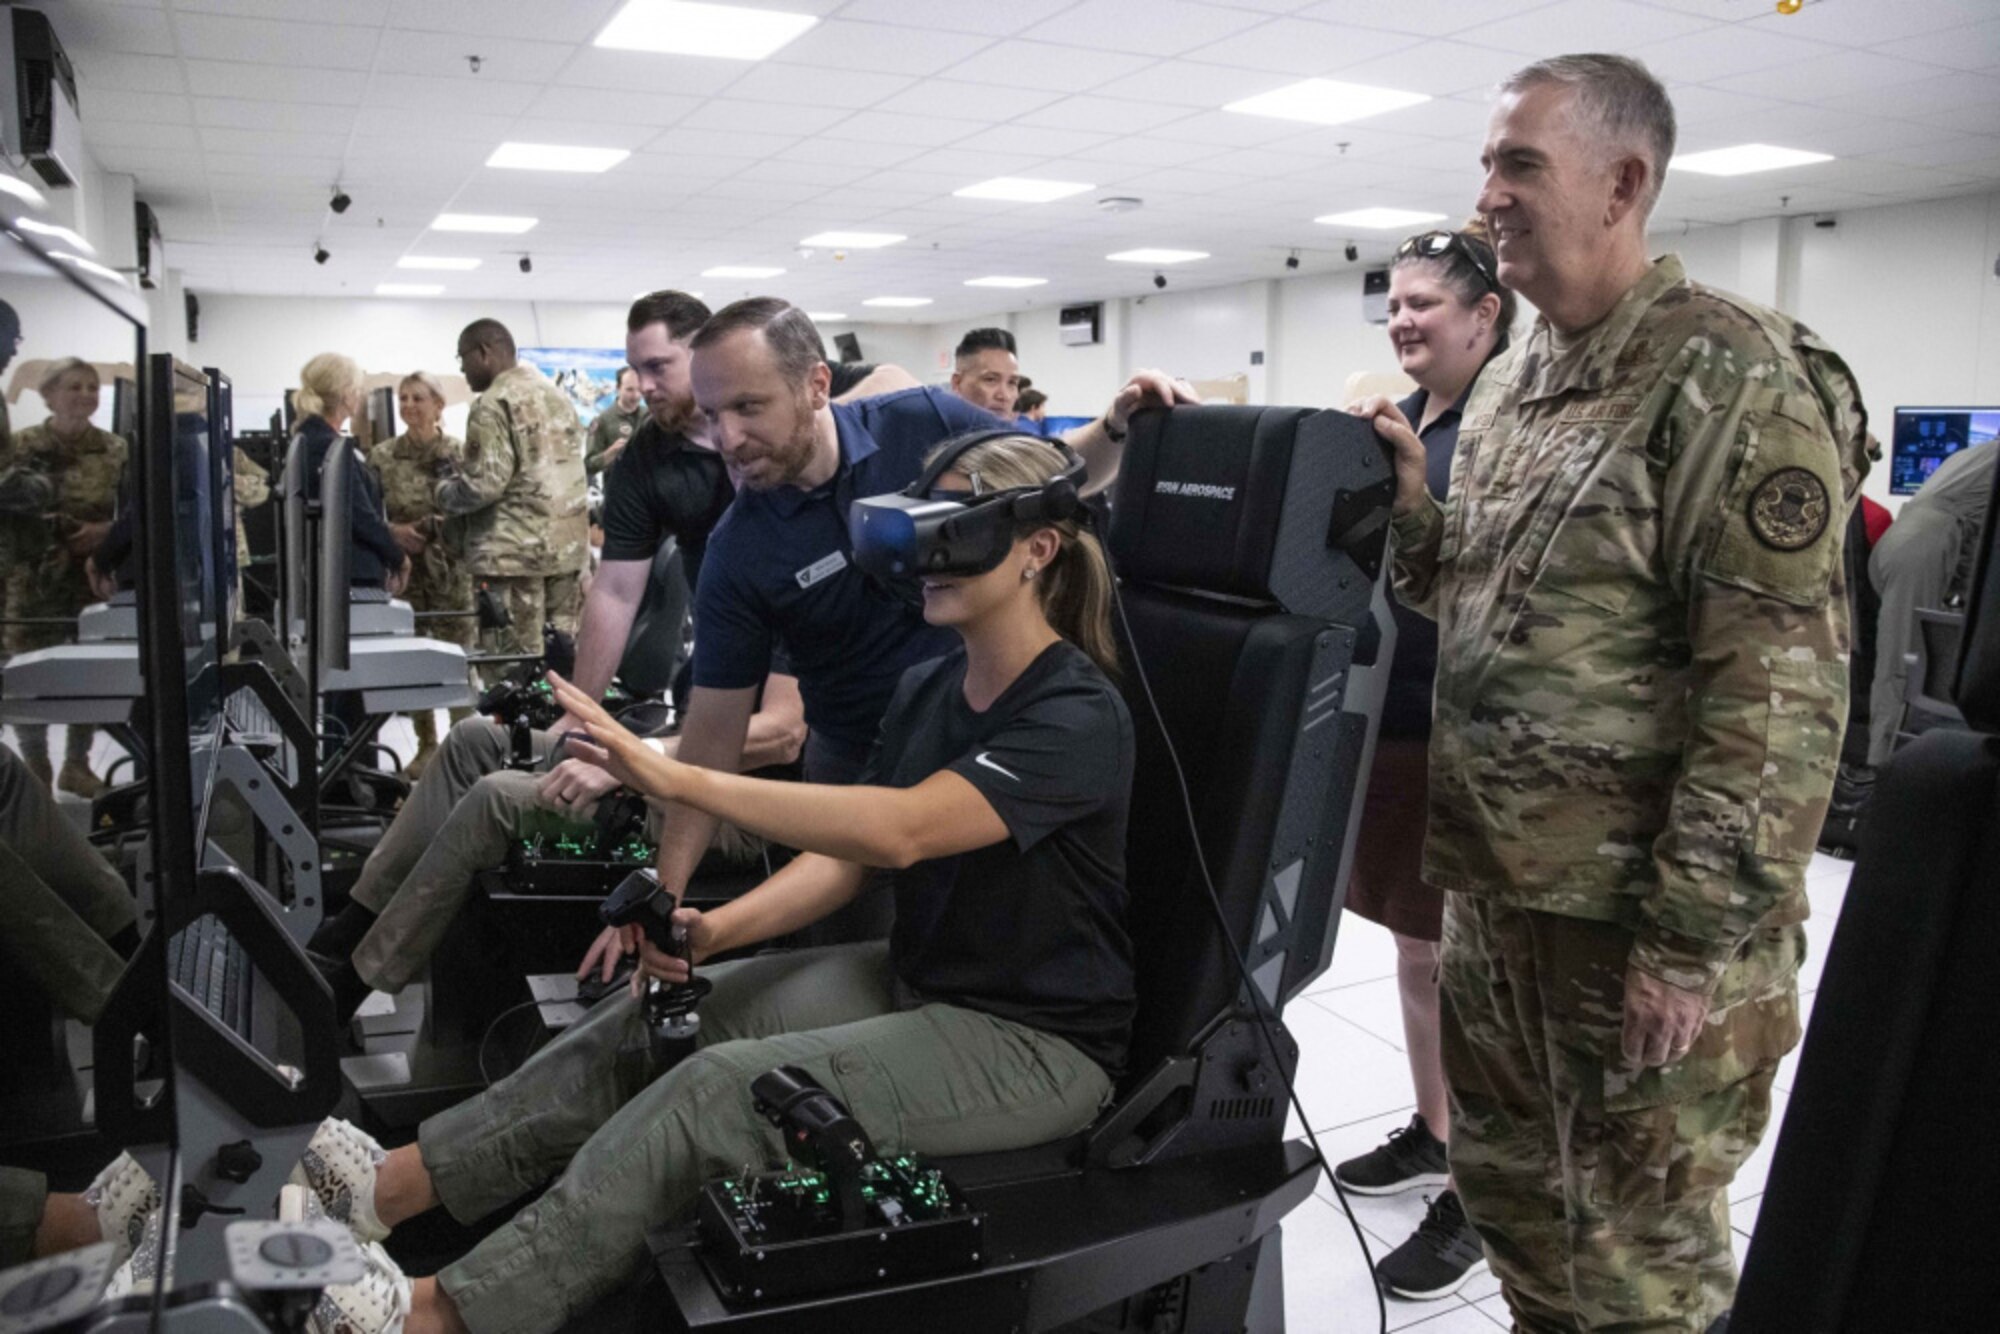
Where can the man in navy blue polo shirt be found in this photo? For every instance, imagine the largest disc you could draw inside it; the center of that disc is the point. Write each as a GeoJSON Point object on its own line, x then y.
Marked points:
{"type": "Point", "coordinates": [778, 567]}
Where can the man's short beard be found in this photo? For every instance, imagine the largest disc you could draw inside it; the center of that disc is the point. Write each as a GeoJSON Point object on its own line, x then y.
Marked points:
{"type": "Point", "coordinates": [679, 415]}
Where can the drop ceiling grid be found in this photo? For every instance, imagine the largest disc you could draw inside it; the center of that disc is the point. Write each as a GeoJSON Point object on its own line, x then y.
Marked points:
{"type": "Point", "coordinates": [237, 116]}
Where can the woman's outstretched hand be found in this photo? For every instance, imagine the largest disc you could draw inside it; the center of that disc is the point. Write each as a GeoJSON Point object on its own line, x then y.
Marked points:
{"type": "Point", "coordinates": [613, 748]}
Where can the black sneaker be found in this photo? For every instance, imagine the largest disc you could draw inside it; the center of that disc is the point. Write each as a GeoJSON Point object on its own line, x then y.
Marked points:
{"type": "Point", "coordinates": [1411, 1158]}
{"type": "Point", "coordinates": [1436, 1261]}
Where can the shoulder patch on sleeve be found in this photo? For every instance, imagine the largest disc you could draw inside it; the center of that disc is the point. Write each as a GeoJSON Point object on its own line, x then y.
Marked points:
{"type": "Point", "coordinates": [1789, 509]}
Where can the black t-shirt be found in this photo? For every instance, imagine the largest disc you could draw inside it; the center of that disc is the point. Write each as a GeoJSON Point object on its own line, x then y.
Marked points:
{"type": "Point", "coordinates": [663, 486]}
{"type": "Point", "coordinates": [847, 374]}
{"type": "Point", "coordinates": [1031, 929]}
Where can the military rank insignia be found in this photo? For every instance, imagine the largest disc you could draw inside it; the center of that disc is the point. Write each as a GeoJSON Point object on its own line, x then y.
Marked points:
{"type": "Point", "coordinates": [1790, 509]}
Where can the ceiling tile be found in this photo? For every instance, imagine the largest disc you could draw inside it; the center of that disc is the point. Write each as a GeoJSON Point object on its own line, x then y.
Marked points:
{"type": "Point", "coordinates": [1031, 141]}
{"type": "Point", "coordinates": [1718, 53]}
{"type": "Point", "coordinates": [535, 20]}
{"type": "Point", "coordinates": [1302, 47]}
{"type": "Point", "coordinates": [861, 153]}
{"type": "Point", "coordinates": [394, 122]}
{"type": "Point", "coordinates": [741, 145]}
{"type": "Point", "coordinates": [804, 85]}
{"type": "Point", "coordinates": [269, 42]}
{"type": "Point", "coordinates": [645, 72]}
{"type": "Point", "coordinates": [1871, 25]}
{"type": "Point", "coordinates": [370, 12]}
{"type": "Point", "coordinates": [1440, 68]}
{"type": "Point", "coordinates": [1184, 83]}
{"type": "Point", "coordinates": [457, 93]}
{"type": "Point", "coordinates": [1061, 69]}
{"type": "Point", "coordinates": [761, 117]}
{"type": "Point", "coordinates": [926, 130]}
{"type": "Point", "coordinates": [446, 55]}
{"type": "Point", "coordinates": [880, 47]}
{"type": "Point", "coordinates": [143, 134]}
{"type": "Point", "coordinates": [1104, 114]}
{"type": "Point", "coordinates": [232, 113]}
{"type": "Point", "coordinates": [594, 105]}
{"type": "Point", "coordinates": [139, 74]}
{"type": "Point", "coordinates": [1145, 27]}
{"type": "Point", "coordinates": [120, 104]}
{"type": "Point", "coordinates": [1837, 76]}
{"type": "Point", "coordinates": [119, 28]}
{"type": "Point", "coordinates": [948, 97]}
{"type": "Point", "coordinates": [216, 139]}
{"type": "Point", "coordinates": [1435, 18]}
{"type": "Point", "coordinates": [995, 20]}
{"type": "Point", "coordinates": [1976, 47]}
{"type": "Point", "coordinates": [1586, 25]}
{"type": "Point", "coordinates": [273, 83]}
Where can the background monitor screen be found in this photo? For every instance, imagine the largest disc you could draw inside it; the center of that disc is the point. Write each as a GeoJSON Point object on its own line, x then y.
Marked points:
{"type": "Point", "coordinates": [1926, 437]}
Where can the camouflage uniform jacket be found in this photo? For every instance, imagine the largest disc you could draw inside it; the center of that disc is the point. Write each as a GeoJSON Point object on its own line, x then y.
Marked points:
{"type": "Point", "coordinates": [521, 483]}
{"type": "Point", "coordinates": [607, 428]}
{"type": "Point", "coordinates": [409, 472]}
{"type": "Point", "coordinates": [83, 475]}
{"type": "Point", "coordinates": [1642, 668]}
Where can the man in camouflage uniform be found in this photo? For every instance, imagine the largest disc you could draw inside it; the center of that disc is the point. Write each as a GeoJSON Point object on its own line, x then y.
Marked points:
{"type": "Point", "coordinates": [1642, 682]}
{"type": "Point", "coordinates": [82, 465]}
{"type": "Point", "coordinates": [521, 486]}
{"type": "Point", "coordinates": [409, 466]}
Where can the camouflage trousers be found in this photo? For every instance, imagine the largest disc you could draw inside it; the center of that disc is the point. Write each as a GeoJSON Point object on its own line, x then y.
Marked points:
{"type": "Point", "coordinates": [1601, 1193]}
{"type": "Point", "coordinates": [442, 585]}
{"type": "Point", "coordinates": [531, 600]}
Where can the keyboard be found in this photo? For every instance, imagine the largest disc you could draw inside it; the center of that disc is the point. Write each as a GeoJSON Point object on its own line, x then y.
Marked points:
{"type": "Point", "coordinates": [207, 963]}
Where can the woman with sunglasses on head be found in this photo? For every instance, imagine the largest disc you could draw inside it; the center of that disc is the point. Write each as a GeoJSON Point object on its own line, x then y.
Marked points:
{"type": "Point", "coordinates": [995, 1017]}
{"type": "Point", "coordinates": [1448, 317]}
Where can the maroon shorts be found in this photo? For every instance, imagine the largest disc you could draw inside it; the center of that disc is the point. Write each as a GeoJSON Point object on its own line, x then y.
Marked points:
{"type": "Point", "coordinates": [1387, 885]}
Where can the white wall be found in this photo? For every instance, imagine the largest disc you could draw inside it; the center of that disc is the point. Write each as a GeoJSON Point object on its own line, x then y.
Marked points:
{"type": "Point", "coordinates": [1906, 293]}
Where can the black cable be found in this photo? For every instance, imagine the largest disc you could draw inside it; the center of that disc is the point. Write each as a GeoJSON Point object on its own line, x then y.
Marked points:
{"type": "Point", "coordinates": [485, 1078]}
{"type": "Point", "coordinates": [1266, 1017]}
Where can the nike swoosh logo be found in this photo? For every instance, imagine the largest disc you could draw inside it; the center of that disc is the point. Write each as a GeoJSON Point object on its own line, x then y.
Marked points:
{"type": "Point", "coordinates": [985, 757]}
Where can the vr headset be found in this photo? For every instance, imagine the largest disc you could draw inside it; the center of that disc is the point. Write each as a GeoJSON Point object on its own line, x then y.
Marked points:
{"type": "Point", "coordinates": [922, 530]}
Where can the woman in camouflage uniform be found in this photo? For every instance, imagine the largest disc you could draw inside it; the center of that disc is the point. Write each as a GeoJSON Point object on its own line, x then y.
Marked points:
{"type": "Point", "coordinates": [439, 579]}
{"type": "Point", "coordinates": [83, 464]}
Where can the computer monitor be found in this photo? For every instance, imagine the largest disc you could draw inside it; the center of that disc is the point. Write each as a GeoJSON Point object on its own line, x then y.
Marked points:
{"type": "Point", "coordinates": [847, 346]}
{"type": "Point", "coordinates": [222, 481]}
{"type": "Point", "coordinates": [1926, 437]}
{"type": "Point", "coordinates": [179, 512]}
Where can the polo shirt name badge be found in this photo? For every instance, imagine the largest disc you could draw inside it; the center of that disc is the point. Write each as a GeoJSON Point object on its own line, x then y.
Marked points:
{"type": "Point", "coordinates": [824, 568]}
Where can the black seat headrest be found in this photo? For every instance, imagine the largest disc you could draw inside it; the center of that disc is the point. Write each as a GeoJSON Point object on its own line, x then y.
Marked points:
{"type": "Point", "coordinates": [1978, 690]}
{"type": "Point", "coordinates": [1271, 505]}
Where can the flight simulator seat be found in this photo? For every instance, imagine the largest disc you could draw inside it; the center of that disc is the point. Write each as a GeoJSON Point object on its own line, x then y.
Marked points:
{"type": "Point", "coordinates": [1858, 1230]}
{"type": "Point", "coordinates": [1250, 544]}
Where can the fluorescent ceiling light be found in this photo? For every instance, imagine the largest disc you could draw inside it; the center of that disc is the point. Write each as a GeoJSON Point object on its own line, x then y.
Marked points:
{"type": "Point", "coordinates": [482, 222]}
{"type": "Point", "coordinates": [726, 31]}
{"type": "Point", "coordinates": [897, 301]}
{"type": "Point", "coordinates": [556, 157]}
{"type": "Point", "coordinates": [999, 281]}
{"type": "Point", "coordinates": [740, 271]}
{"type": "Point", "coordinates": [825, 316]}
{"type": "Point", "coordinates": [56, 233]}
{"type": "Point", "coordinates": [88, 265]}
{"type": "Point", "coordinates": [1022, 190]}
{"type": "Point", "coordinates": [1744, 159]}
{"type": "Point", "coordinates": [854, 240]}
{"type": "Point", "coordinates": [1326, 102]}
{"type": "Point", "coordinates": [1379, 219]}
{"type": "Point", "coordinates": [408, 289]}
{"type": "Point", "coordinates": [451, 263]}
{"type": "Point", "coordinates": [1157, 256]}
{"type": "Point", "coordinates": [21, 190]}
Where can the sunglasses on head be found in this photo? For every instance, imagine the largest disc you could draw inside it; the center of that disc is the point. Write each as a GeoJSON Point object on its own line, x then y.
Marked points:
{"type": "Point", "coordinates": [1436, 245]}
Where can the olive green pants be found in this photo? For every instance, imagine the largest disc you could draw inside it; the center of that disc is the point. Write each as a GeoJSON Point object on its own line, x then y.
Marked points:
{"type": "Point", "coordinates": [457, 822]}
{"type": "Point", "coordinates": [59, 900]}
{"type": "Point", "coordinates": [533, 600]}
{"type": "Point", "coordinates": [1601, 1193]}
{"type": "Point", "coordinates": [23, 1194]}
{"type": "Point", "coordinates": [628, 1148]}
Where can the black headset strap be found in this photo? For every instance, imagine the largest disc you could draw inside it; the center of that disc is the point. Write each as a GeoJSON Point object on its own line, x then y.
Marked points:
{"type": "Point", "coordinates": [954, 450]}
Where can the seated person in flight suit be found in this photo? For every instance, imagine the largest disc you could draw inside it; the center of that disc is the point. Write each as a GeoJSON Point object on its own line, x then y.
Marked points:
{"type": "Point", "coordinates": [996, 1017]}
{"type": "Point", "coordinates": [776, 569]}
{"type": "Point", "coordinates": [67, 925]}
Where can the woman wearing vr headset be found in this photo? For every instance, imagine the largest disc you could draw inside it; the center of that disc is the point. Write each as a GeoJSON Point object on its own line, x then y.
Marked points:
{"type": "Point", "coordinates": [1448, 317]}
{"type": "Point", "coordinates": [996, 1017]}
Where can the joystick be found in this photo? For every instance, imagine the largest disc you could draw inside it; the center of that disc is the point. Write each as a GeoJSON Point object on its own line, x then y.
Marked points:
{"type": "Point", "coordinates": [670, 1007]}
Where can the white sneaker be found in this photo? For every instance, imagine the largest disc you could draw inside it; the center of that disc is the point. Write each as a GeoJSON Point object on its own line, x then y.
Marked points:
{"type": "Point", "coordinates": [339, 1167]}
{"type": "Point", "coordinates": [123, 1195]}
{"type": "Point", "coordinates": [141, 1269]}
{"type": "Point", "coordinates": [378, 1303]}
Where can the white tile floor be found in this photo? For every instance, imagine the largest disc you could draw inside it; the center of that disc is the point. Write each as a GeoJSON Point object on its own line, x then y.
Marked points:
{"type": "Point", "coordinates": [1355, 1084]}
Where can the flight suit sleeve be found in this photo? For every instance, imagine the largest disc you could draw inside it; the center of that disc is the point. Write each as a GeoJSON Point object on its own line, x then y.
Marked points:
{"type": "Point", "coordinates": [485, 465]}
{"type": "Point", "coordinates": [1754, 516]}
